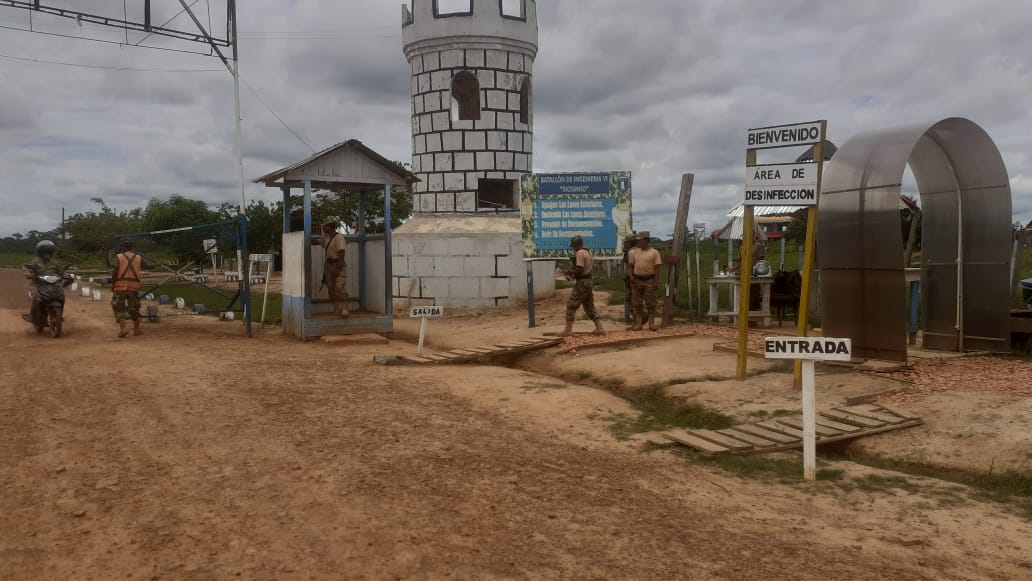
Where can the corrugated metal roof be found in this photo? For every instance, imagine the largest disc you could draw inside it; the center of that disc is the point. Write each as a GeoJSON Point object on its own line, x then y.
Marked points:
{"type": "Point", "coordinates": [739, 210]}
{"type": "Point", "coordinates": [733, 230]}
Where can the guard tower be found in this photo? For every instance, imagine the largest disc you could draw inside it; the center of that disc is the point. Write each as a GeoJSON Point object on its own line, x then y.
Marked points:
{"type": "Point", "coordinates": [472, 143]}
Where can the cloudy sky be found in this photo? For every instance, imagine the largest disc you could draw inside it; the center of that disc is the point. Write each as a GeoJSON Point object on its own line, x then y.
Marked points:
{"type": "Point", "coordinates": [659, 87]}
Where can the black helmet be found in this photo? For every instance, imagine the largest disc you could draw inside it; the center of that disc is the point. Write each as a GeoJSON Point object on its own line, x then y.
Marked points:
{"type": "Point", "coordinates": [45, 249]}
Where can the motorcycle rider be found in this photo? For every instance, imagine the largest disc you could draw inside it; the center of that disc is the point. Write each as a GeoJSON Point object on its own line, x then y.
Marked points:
{"type": "Point", "coordinates": [42, 265]}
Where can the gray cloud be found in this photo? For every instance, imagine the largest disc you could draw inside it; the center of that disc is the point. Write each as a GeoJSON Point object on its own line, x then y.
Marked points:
{"type": "Point", "coordinates": [660, 88]}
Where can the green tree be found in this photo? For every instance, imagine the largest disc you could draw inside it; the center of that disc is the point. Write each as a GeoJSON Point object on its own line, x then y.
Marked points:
{"type": "Point", "coordinates": [180, 212]}
{"type": "Point", "coordinates": [93, 232]}
{"type": "Point", "coordinates": [344, 208]}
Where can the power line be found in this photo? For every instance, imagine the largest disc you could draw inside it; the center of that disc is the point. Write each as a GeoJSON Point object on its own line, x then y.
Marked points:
{"type": "Point", "coordinates": [269, 109]}
{"type": "Point", "coordinates": [107, 68]}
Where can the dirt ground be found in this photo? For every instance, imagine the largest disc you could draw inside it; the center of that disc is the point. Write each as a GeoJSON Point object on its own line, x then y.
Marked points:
{"type": "Point", "coordinates": [193, 453]}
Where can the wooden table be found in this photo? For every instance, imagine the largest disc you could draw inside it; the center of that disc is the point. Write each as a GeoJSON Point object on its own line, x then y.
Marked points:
{"type": "Point", "coordinates": [734, 282]}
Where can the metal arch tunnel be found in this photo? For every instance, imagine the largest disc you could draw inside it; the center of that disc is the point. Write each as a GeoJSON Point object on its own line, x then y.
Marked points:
{"type": "Point", "coordinates": [966, 200]}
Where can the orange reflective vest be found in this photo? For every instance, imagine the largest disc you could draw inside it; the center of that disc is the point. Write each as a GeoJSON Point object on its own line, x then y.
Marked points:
{"type": "Point", "coordinates": [127, 277]}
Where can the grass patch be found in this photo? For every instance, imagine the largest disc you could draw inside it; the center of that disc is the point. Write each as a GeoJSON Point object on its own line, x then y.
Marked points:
{"type": "Point", "coordinates": [766, 415]}
{"type": "Point", "coordinates": [1009, 487]}
{"type": "Point", "coordinates": [879, 483]}
{"type": "Point", "coordinates": [785, 468]}
{"type": "Point", "coordinates": [214, 303]}
{"type": "Point", "coordinates": [659, 411]}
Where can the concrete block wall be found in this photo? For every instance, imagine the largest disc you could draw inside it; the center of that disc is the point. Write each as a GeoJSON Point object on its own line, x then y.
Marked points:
{"type": "Point", "coordinates": [450, 157]}
{"type": "Point", "coordinates": [468, 270]}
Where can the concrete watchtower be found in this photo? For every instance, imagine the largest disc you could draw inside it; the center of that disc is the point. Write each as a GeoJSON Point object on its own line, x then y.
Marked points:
{"type": "Point", "coordinates": [472, 142]}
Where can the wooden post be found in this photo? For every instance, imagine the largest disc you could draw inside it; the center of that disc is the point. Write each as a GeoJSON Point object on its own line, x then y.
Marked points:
{"type": "Point", "coordinates": [808, 253]}
{"type": "Point", "coordinates": [746, 281]}
{"type": "Point", "coordinates": [680, 234]}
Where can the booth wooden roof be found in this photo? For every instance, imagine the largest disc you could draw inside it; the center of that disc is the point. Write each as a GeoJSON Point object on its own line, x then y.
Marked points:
{"type": "Point", "coordinates": [350, 165]}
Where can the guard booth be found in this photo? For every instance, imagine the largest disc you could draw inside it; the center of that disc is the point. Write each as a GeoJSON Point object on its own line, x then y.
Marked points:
{"type": "Point", "coordinates": [356, 169]}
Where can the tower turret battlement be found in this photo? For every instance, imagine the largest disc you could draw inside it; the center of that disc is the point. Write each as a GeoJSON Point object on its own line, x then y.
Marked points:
{"type": "Point", "coordinates": [506, 24]}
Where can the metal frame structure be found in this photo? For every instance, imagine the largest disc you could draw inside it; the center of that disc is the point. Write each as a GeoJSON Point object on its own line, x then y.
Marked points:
{"type": "Point", "coordinates": [239, 235]}
{"type": "Point", "coordinates": [353, 167]}
{"type": "Point", "coordinates": [231, 62]}
{"type": "Point", "coordinates": [965, 263]}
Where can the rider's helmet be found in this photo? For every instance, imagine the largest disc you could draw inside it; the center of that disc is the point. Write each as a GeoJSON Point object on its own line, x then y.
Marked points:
{"type": "Point", "coordinates": [45, 249]}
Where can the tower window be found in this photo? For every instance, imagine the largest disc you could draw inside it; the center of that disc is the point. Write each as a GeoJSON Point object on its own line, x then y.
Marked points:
{"type": "Point", "coordinates": [496, 194]}
{"type": "Point", "coordinates": [465, 91]}
{"type": "Point", "coordinates": [514, 8]}
{"type": "Point", "coordinates": [525, 101]}
{"type": "Point", "coordinates": [453, 8]}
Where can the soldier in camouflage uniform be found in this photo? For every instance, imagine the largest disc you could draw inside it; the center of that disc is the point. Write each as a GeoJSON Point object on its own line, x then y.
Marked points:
{"type": "Point", "coordinates": [125, 287]}
{"type": "Point", "coordinates": [644, 265]}
{"type": "Point", "coordinates": [582, 294]}
{"type": "Point", "coordinates": [42, 265]}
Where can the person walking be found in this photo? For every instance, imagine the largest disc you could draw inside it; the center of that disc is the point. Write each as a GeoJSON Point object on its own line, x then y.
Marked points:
{"type": "Point", "coordinates": [628, 248]}
{"type": "Point", "coordinates": [335, 271]}
{"type": "Point", "coordinates": [644, 263]}
{"type": "Point", "coordinates": [125, 287]}
{"type": "Point", "coordinates": [583, 291]}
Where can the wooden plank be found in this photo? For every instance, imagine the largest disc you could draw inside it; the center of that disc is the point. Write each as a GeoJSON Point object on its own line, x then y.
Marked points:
{"type": "Point", "coordinates": [852, 418]}
{"type": "Point", "coordinates": [463, 352]}
{"type": "Point", "coordinates": [797, 423]}
{"type": "Point", "coordinates": [882, 408]}
{"type": "Point", "coordinates": [747, 438]}
{"type": "Point", "coordinates": [844, 428]}
{"type": "Point", "coordinates": [686, 438]}
{"type": "Point", "coordinates": [787, 430]}
{"type": "Point", "coordinates": [721, 439]}
{"type": "Point", "coordinates": [822, 441]}
{"type": "Point", "coordinates": [767, 434]}
{"type": "Point", "coordinates": [433, 357]}
{"type": "Point", "coordinates": [883, 418]}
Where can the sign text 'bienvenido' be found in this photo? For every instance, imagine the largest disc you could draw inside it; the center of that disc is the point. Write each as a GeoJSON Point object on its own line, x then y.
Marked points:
{"type": "Point", "coordinates": [814, 348]}
{"type": "Point", "coordinates": [784, 135]}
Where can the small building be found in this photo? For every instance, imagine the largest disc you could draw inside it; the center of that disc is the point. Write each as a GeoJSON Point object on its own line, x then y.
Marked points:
{"type": "Point", "coordinates": [356, 169]}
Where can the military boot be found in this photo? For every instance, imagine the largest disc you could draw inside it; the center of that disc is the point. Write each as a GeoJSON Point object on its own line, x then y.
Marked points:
{"type": "Point", "coordinates": [123, 328]}
{"type": "Point", "coordinates": [637, 323]}
{"type": "Point", "coordinates": [567, 331]}
{"type": "Point", "coordinates": [136, 328]}
{"type": "Point", "coordinates": [652, 321]}
{"type": "Point", "coordinates": [599, 330]}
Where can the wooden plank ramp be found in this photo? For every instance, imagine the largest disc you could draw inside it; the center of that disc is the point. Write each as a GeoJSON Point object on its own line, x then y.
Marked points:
{"type": "Point", "coordinates": [835, 425]}
{"type": "Point", "coordinates": [471, 354]}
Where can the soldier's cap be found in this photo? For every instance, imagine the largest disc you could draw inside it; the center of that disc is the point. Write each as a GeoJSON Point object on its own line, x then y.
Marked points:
{"type": "Point", "coordinates": [576, 240]}
{"type": "Point", "coordinates": [644, 235]}
{"type": "Point", "coordinates": [630, 238]}
{"type": "Point", "coordinates": [329, 223]}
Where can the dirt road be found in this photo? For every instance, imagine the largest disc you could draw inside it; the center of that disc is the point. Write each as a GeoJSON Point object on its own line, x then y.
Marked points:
{"type": "Point", "coordinates": [192, 453]}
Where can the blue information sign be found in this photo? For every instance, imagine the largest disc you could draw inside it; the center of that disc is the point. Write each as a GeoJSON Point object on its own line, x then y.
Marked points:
{"type": "Point", "coordinates": [595, 206]}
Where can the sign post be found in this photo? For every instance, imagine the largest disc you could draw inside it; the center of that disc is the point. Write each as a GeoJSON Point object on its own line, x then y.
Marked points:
{"type": "Point", "coordinates": [790, 184]}
{"type": "Point", "coordinates": [807, 350]}
{"type": "Point", "coordinates": [424, 313]}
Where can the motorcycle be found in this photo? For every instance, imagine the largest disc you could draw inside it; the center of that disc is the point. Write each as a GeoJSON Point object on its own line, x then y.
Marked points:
{"type": "Point", "coordinates": [49, 302]}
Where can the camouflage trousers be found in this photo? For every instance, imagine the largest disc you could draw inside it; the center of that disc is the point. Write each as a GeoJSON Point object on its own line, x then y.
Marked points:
{"type": "Point", "coordinates": [582, 295]}
{"type": "Point", "coordinates": [643, 297]}
{"type": "Point", "coordinates": [126, 305]}
{"type": "Point", "coordinates": [335, 275]}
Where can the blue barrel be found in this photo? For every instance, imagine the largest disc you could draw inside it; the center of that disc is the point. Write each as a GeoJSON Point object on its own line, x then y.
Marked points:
{"type": "Point", "coordinates": [163, 299]}
{"type": "Point", "coordinates": [200, 309]}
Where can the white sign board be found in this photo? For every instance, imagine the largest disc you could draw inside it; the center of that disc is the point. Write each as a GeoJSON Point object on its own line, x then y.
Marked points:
{"type": "Point", "coordinates": [425, 312]}
{"type": "Point", "coordinates": [812, 348]}
{"type": "Point", "coordinates": [787, 184]}
{"type": "Point", "coordinates": [793, 135]}
{"type": "Point", "coordinates": [210, 246]}
{"type": "Point", "coordinates": [261, 257]}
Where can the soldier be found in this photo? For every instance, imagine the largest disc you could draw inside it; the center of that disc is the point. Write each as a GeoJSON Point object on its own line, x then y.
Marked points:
{"type": "Point", "coordinates": [335, 272]}
{"type": "Point", "coordinates": [644, 262]}
{"type": "Point", "coordinates": [628, 248]}
{"type": "Point", "coordinates": [42, 265]}
{"type": "Point", "coordinates": [582, 288]}
{"type": "Point", "coordinates": [125, 287]}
